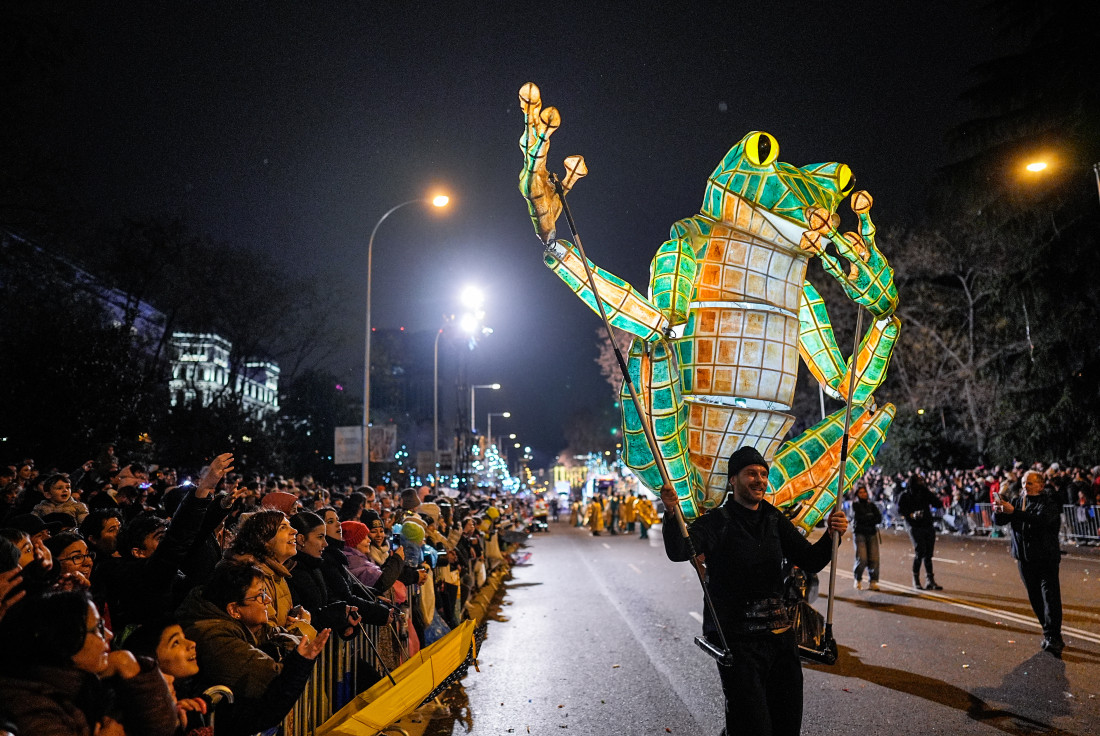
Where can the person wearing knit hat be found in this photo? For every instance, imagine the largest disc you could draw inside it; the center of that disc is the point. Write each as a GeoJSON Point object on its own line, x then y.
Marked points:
{"type": "Point", "coordinates": [429, 509]}
{"type": "Point", "coordinates": [743, 458]}
{"type": "Point", "coordinates": [282, 501]}
{"type": "Point", "coordinates": [746, 541]}
{"type": "Point", "coordinates": [354, 533]}
{"type": "Point", "coordinates": [412, 532]}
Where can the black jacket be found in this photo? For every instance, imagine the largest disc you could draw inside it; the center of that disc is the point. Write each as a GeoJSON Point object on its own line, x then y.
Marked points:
{"type": "Point", "coordinates": [865, 517]}
{"type": "Point", "coordinates": [1035, 527]}
{"type": "Point", "coordinates": [139, 590]}
{"type": "Point", "coordinates": [745, 552]}
{"type": "Point", "coordinates": [342, 585]}
{"type": "Point", "coordinates": [915, 504]}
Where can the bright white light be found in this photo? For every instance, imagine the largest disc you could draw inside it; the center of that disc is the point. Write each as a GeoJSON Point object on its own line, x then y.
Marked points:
{"type": "Point", "coordinates": [441, 200]}
{"type": "Point", "coordinates": [472, 297]}
{"type": "Point", "coordinates": [1037, 166]}
{"type": "Point", "coordinates": [511, 436]}
{"type": "Point", "coordinates": [495, 387]}
{"type": "Point", "coordinates": [468, 323]}
{"type": "Point", "coordinates": [506, 414]}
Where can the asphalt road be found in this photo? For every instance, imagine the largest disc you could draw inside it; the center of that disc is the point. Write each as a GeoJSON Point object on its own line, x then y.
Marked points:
{"type": "Point", "coordinates": [595, 636]}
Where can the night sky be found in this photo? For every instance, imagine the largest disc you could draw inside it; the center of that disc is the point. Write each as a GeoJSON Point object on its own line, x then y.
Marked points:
{"type": "Point", "coordinates": [291, 127]}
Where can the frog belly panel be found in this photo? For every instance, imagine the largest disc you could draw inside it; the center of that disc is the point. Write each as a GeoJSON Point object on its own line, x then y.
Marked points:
{"type": "Point", "coordinates": [738, 356]}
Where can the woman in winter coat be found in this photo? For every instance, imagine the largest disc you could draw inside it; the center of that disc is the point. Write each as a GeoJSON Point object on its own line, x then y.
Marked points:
{"type": "Point", "coordinates": [339, 578]}
{"type": "Point", "coordinates": [237, 647]}
{"type": "Point", "coordinates": [369, 557]}
{"type": "Point", "coordinates": [309, 587]}
{"type": "Point", "coordinates": [267, 540]}
{"type": "Point", "coordinates": [59, 677]}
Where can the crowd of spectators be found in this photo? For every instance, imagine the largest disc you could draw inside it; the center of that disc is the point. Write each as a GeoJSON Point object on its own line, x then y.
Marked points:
{"type": "Point", "coordinates": [131, 595]}
{"type": "Point", "coordinates": [964, 492]}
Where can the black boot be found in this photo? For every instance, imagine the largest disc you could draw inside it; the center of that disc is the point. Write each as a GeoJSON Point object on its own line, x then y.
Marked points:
{"type": "Point", "coordinates": [916, 582]}
{"type": "Point", "coordinates": [1054, 645]}
{"type": "Point", "coordinates": [932, 584]}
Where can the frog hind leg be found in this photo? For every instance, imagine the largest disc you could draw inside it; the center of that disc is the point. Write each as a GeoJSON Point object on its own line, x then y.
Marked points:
{"type": "Point", "coordinates": [657, 382]}
{"type": "Point", "coordinates": [805, 470]}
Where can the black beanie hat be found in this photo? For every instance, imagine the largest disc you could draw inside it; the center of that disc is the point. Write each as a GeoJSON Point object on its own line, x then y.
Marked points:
{"type": "Point", "coordinates": [742, 459]}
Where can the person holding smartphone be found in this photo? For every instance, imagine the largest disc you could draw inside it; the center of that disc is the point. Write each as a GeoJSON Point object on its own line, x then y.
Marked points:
{"type": "Point", "coordinates": [1034, 545]}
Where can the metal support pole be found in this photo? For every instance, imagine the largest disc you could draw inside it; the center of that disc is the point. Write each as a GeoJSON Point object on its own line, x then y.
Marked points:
{"type": "Point", "coordinates": [647, 429]}
{"type": "Point", "coordinates": [435, 410]}
{"type": "Point", "coordinates": [843, 468]}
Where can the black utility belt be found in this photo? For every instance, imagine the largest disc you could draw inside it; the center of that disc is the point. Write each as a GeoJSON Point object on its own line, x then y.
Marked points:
{"type": "Point", "coordinates": [767, 615]}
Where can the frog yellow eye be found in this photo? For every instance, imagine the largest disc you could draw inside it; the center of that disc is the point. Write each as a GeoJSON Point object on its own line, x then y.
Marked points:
{"type": "Point", "coordinates": [761, 149]}
{"type": "Point", "coordinates": [844, 178]}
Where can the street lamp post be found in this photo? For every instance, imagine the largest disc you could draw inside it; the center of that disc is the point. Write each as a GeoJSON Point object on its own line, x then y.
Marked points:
{"type": "Point", "coordinates": [440, 201]}
{"type": "Point", "coordinates": [473, 422]}
{"type": "Point", "coordinates": [435, 410]}
{"type": "Point", "coordinates": [489, 419]}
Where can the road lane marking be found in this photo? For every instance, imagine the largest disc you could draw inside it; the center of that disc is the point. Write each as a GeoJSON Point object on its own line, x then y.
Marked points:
{"type": "Point", "coordinates": [697, 616]}
{"type": "Point", "coordinates": [634, 567]}
{"type": "Point", "coordinates": [994, 613]}
{"type": "Point", "coordinates": [656, 655]}
{"type": "Point", "coordinates": [606, 545]}
{"type": "Point", "coordinates": [950, 562]}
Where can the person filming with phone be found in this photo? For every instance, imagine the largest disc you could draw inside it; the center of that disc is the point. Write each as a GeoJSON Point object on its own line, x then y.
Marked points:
{"type": "Point", "coordinates": [1035, 523]}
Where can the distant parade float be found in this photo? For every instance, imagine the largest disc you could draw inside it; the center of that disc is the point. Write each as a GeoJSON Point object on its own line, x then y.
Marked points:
{"type": "Point", "coordinates": [716, 342]}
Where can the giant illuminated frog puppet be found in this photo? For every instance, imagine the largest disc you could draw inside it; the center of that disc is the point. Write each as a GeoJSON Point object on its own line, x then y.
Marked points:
{"type": "Point", "coordinates": [716, 342]}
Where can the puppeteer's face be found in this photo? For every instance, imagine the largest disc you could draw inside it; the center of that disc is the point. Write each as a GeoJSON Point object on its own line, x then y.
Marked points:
{"type": "Point", "coordinates": [749, 485]}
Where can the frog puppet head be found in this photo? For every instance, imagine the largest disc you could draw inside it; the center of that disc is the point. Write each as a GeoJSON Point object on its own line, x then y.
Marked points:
{"type": "Point", "coordinates": [751, 172]}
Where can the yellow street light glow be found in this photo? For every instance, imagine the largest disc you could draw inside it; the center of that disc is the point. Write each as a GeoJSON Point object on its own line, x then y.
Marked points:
{"type": "Point", "coordinates": [441, 200]}
{"type": "Point", "coordinates": [1036, 166]}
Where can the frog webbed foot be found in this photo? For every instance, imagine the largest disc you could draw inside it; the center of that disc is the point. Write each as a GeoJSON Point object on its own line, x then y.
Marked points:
{"type": "Point", "coordinates": [805, 470]}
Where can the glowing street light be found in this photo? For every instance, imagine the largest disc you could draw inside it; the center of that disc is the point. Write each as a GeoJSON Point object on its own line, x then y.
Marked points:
{"type": "Point", "coordinates": [437, 201]}
{"type": "Point", "coordinates": [473, 421]}
{"type": "Point", "coordinates": [1036, 166]}
{"type": "Point", "coordinates": [489, 428]}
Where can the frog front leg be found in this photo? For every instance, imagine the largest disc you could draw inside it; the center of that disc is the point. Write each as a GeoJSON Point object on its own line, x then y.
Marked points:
{"type": "Point", "coordinates": [869, 281]}
{"type": "Point", "coordinates": [536, 184]}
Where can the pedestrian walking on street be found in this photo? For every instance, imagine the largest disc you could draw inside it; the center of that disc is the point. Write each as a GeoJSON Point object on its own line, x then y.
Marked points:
{"type": "Point", "coordinates": [915, 504]}
{"type": "Point", "coordinates": [745, 541]}
{"type": "Point", "coordinates": [1035, 524]}
{"type": "Point", "coordinates": [865, 517]}
{"type": "Point", "coordinates": [613, 514]}
{"type": "Point", "coordinates": [647, 515]}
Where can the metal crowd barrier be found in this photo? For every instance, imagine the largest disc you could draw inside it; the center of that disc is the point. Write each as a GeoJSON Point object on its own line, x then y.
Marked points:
{"type": "Point", "coordinates": [339, 674]}
{"type": "Point", "coordinates": [979, 520]}
{"type": "Point", "coordinates": [1081, 524]}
